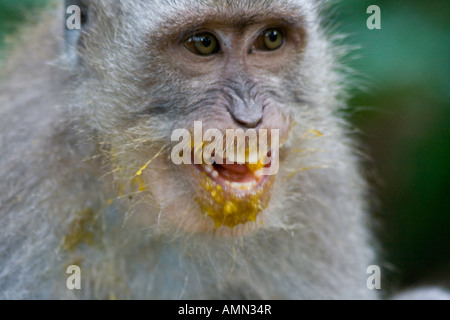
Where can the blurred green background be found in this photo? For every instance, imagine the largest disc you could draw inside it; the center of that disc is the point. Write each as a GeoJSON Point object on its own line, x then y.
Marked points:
{"type": "Point", "coordinates": [404, 117]}
{"type": "Point", "coordinates": [404, 120]}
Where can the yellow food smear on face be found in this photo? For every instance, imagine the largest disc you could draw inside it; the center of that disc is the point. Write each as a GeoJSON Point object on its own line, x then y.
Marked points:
{"type": "Point", "coordinates": [255, 166]}
{"type": "Point", "coordinates": [120, 189]}
{"type": "Point", "coordinates": [228, 209]}
{"type": "Point", "coordinates": [141, 170]}
{"type": "Point", "coordinates": [137, 180]}
{"type": "Point", "coordinates": [296, 171]}
{"type": "Point", "coordinates": [81, 230]}
{"type": "Point", "coordinates": [315, 132]}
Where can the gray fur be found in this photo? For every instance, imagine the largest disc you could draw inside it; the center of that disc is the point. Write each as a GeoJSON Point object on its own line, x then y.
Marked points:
{"type": "Point", "coordinates": [65, 129]}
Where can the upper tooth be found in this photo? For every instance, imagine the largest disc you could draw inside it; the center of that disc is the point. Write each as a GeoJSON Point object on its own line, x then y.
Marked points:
{"type": "Point", "coordinates": [253, 157]}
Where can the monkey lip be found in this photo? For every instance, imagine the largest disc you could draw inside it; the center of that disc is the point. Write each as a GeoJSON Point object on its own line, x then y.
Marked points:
{"type": "Point", "coordinates": [243, 177]}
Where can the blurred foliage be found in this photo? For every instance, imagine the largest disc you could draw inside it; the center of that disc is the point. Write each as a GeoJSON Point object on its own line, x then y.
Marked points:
{"type": "Point", "coordinates": [404, 117]}
{"type": "Point", "coordinates": [12, 12]}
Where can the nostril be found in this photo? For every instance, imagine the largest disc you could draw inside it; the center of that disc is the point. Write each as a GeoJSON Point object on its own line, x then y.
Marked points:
{"type": "Point", "coordinates": [250, 122]}
{"type": "Point", "coordinates": [244, 110]}
{"type": "Point", "coordinates": [248, 116]}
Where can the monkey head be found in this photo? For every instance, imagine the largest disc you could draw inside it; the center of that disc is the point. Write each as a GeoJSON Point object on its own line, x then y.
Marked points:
{"type": "Point", "coordinates": [229, 65]}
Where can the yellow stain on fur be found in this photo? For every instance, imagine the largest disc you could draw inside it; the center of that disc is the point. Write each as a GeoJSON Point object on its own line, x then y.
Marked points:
{"type": "Point", "coordinates": [229, 210]}
{"type": "Point", "coordinates": [314, 132]}
{"type": "Point", "coordinates": [141, 170]}
{"type": "Point", "coordinates": [82, 230]}
{"type": "Point", "coordinates": [139, 182]}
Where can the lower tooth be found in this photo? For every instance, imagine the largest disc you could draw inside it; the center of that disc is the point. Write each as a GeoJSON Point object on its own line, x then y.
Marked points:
{"type": "Point", "coordinates": [242, 186]}
{"type": "Point", "coordinates": [258, 173]}
{"type": "Point", "coordinates": [249, 185]}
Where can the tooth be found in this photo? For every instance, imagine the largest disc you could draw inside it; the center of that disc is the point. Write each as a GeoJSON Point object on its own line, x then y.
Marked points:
{"type": "Point", "coordinates": [243, 186]}
{"type": "Point", "coordinates": [215, 174]}
{"type": "Point", "coordinates": [208, 168]}
{"type": "Point", "coordinates": [235, 185]}
{"type": "Point", "coordinates": [258, 173]}
{"type": "Point", "coordinates": [249, 185]}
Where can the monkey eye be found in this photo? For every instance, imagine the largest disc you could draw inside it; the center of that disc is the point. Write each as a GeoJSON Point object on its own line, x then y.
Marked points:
{"type": "Point", "coordinates": [203, 44]}
{"type": "Point", "coordinates": [269, 40]}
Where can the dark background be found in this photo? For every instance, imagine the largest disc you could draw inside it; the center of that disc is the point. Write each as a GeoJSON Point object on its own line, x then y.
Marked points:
{"type": "Point", "coordinates": [403, 116]}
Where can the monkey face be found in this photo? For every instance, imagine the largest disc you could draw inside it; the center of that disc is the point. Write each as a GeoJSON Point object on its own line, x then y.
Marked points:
{"type": "Point", "coordinates": [236, 98]}
{"type": "Point", "coordinates": [235, 73]}
{"type": "Point", "coordinates": [226, 69]}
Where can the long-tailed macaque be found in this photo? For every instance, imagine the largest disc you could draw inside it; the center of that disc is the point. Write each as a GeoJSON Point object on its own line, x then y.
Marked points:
{"type": "Point", "coordinates": [89, 175]}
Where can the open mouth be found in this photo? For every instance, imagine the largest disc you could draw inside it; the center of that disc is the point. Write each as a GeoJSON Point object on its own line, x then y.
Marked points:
{"type": "Point", "coordinates": [232, 193]}
{"type": "Point", "coordinates": [243, 177]}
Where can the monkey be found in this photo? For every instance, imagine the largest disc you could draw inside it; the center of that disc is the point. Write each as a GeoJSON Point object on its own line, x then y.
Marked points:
{"type": "Point", "coordinates": [87, 164]}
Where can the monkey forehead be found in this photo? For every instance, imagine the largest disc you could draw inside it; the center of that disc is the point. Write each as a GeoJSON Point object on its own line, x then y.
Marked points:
{"type": "Point", "coordinates": [188, 15]}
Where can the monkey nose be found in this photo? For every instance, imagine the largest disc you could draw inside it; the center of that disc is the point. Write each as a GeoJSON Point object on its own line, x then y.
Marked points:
{"type": "Point", "coordinates": [250, 122]}
{"type": "Point", "coordinates": [248, 116]}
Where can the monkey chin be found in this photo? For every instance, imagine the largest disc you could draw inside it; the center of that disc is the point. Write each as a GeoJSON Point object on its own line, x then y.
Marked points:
{"type": "Point", "coordinates": [232, 197]}
{"type": "Point", "coordinates": [196, 201]}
